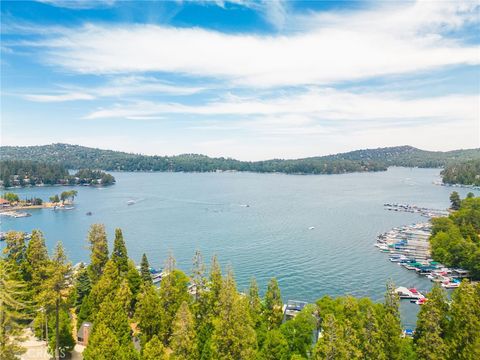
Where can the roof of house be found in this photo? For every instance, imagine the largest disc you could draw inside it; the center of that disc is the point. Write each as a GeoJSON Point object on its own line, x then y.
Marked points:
{"type": "Point", "coordinates": [3, 201]}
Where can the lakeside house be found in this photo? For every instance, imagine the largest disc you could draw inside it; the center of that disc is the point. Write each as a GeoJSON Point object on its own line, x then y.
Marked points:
{"type": "Point", "coordinates": [4, 203]}
{"type": "Point", "coordinates": [84, 333]}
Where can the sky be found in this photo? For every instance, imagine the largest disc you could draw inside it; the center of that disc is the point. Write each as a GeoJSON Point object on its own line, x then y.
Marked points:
{"type": "Point", "coordinates": [244, 79]}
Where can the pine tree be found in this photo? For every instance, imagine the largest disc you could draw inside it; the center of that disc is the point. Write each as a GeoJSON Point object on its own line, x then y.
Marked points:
{"type": "Point", "coordinates": [12, 293]}
{"type": "Point", "coordinates": [113, 314]}
{"type": "Point", "coordinates": [254, 301]}
{"type": "Point", "coordinates": [154, 350]}
{"type": "Point", "coordinates": [455, 201]}
{"type": "Point", "coordinates": [275, 347]}
{"type": "Point", "coordinates": [173, 292]}
{"type": "Point", "coordinates": [134, 281]}
{"type": "Point", "coordinates": [36, 258]}
{"type": "Point", "coordinates": [214, 284]}
{"type": "Point", "coordinates": [371, 336]}
{"type": "Point", "coordinates": [102, 344]}
{"type": "Point", "coordinates": [148, 313]}
{"type": "Point", "coordinates": [464, 332]}
{"type": "Point", "coordinates": [273, 305]}
{"type": "Point", "coordinates": [97, 237]}
{"type": "Point", "coordinates": [55, 290]}
{"type": "Point", "coordinates": [332, 344]}
{"type": "Point", "coordinates": [145, 270]}
{"type": "Point", "coordinates": [198, 275]}
{"type": "Point", "coordinates": [233, 336]}
{"type": "Point", "coordinates": [66, 341]}
{"type": "Point", "coordinates": [104, 289]}
{"type": "Point", "coordinates": [183, 341]}
{"type": "Point", "coordinates": [390, 325]}
{"type": "Point", "coordinates": [15, 251]}
{"type": "Point", "coordinates": [119, 254]}
{"type": "Point", "coordinates": [83, 286]}
{"type": "Point", "coordinates": [431, 326]}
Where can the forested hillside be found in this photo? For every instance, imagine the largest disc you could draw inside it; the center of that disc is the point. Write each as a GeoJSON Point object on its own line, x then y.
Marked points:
{"type": "Point", "coordinates": [465, 173]}
{"type": "Point", "coordinates": [75, 157]}
{"type": "Point", "coordinates": [28, 172]}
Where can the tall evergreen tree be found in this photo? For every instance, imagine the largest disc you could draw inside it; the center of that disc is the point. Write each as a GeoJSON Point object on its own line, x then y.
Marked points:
{"type": "Point", "coordinates": [83, 286]}
{"type": "Point", "coordinates": [183, 341]}
{"type": "Point", "coordinates": [390, 325]}
{"type": "Point", "coordinates": [102, 345]}
{"type": "Point", "coordinates": [66, 342]}
{"type": "Point", "coordinates": [56, 289]}
{"type": "Point", "coordinates": [198, 275]}
{"type": "Point", "coordinates": [256, 311]}
{"type": "Point", "coordinates": [134, 281]}
{"type": "Point", "coordinates": [12, 293]}
{"type": "Point", "coordinates": [431, 326]}
{"type": "Point", "coordinates": [119, 253]}
{"type": "Point", "coordinates": [173, 292]}
{"type": "Point", "coordinates": [275, 347]}
{"type": "Point", "coordinates": [36, 257]}
{"type": "Point", "coordinates": [148, 313]}
{"type": "Point", "coordinates": [97, 237]}
{"type": "Point", "coordinates": [113, 314]}
{"type": "Point", "coordinates": [464, 332]}
{"type": "Point", "coordinates": [371, 336]}
{"type": "Point", "coordinates": [154, 350]}
{"type": "Point", "coordinates": [233, 335]}
{"type": "Point", "coordinates": [215, 282]}
{"type": "Point", "coordinates": [273, 305]}
{"type": "Point", "coordinates": [15, 251]}
{"type": "Point", "coordinates": [455, 201]}
{"type": "Point", "coordinates": [104, 289]}
{"type": "Point", "coordinates": [145, 270]}
{"type": "Point", "coordinates": [332, 344]}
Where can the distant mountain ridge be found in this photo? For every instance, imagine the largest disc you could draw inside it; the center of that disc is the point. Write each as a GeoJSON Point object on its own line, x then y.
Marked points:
{"type": "Point", "coordinates": [76, 157]}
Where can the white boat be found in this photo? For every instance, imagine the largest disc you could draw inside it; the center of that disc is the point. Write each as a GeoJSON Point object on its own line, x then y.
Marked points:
{"type": "Point", "coordinates": [311, 228]}
{"type": "Point", "coordinates": [131, 202]}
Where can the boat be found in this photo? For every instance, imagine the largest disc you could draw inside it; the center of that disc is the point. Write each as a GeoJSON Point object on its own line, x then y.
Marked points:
{"type": "Point", "coordinates": [89, 213]}
{"type": "Point", "coordinates": [421, 301]}
{"type": "Point", "coordinates": [405, 293]}
{"type": "Point", "coordinates": [311, 228]}
{"type": "Point", "coordinates": [131, 202]}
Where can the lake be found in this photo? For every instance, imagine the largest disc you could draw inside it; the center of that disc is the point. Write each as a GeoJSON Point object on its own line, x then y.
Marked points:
{"type": "Point", "coordinates": [182, 212]}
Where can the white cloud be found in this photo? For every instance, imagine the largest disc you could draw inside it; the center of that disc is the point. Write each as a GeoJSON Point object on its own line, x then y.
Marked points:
{"type": "Point", "coordinates": [79, 4]}
{"type": "Point", "coordinates": [71, 96]}
{"type": "Point", "coordinates": [320, 104]}
{"type": "Point", "coordinates": [117, 87]}
{"type": "Point", "coordinates": [335, 48]}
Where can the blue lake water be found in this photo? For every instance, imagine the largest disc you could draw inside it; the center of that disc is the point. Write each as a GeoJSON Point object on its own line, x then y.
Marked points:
{"type": "Point", "coordinates": [182, 212]}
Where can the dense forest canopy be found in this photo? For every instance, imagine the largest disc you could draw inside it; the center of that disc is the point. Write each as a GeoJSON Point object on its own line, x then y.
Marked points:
{"type": "Point", "coordinates": [203, 316]}
{"type": "Point", "coordinates": [28, 172]}
{"type": "Point", "coordinates": [465, 173]}
{"type": "Point", "coordinates": [76, 157]}
{"type": "Point", "coordinates": [455, 241]}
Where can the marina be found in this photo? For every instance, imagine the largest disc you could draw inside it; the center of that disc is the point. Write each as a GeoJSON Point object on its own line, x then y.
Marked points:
{"type": "Point", "coordinates": [409, 247]}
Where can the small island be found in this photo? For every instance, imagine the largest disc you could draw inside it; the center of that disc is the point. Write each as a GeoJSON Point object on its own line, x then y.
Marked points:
{"type": "Point", "coordinates": [21, 173]}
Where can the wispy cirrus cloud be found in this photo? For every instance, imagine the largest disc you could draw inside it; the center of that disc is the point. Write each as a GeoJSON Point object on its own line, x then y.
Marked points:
{"type": "Point", "coordinates": [79, 4]}
{"type": "Point", "coordinates": [117, 87]}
